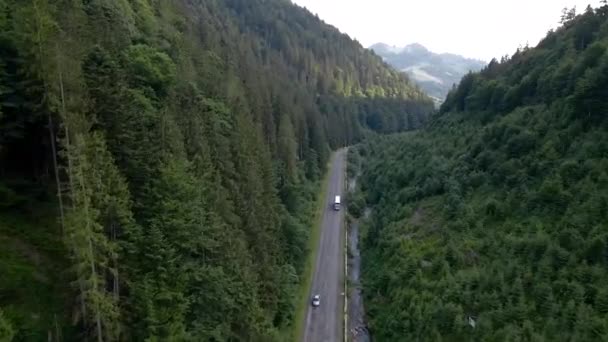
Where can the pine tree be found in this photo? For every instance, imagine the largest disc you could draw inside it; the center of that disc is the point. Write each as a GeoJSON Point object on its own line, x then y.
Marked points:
{"type": "Point", "coordinates": [93, 252]}
{"type": "Point", "coordinates": [167, 239]}
{"type": "Point", "coordinates": [287, 149]}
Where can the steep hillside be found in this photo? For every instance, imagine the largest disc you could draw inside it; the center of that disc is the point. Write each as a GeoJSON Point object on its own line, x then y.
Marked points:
{"type": "Point", "coordinates": [436, 74]}
{"type": "Point", "coordinates": [492, 224]}
{"type": "Point", "coordinates": [159, 161]}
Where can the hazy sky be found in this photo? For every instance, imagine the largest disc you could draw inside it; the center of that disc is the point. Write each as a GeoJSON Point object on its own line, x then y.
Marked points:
{"type": "Point", "coordinates": [473, 28]}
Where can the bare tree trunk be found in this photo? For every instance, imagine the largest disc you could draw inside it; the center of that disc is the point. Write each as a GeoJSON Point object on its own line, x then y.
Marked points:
{"type": "Point", "coordinates": [94, 277]}
{"type": "Point", "coordinates": [50, 116]}
{"type": "Point", "coordinates": [61, 88]}
{"type": "Point", "coordinates": [56, 171]}
{"type": "Point", "coordinates": [116, 284]}
{"type": "Point", "coordinates": [63, 114]}
{"type": "Point", "coordinates": [115, 287]}
{"type": "Point", "coordinates": [57, 331]}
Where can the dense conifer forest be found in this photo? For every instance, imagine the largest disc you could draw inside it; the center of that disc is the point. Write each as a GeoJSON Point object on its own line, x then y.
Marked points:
{"type": "Point", "coordinates": [160, 160]}
{"type": "Point", "coordinates": [491, 224]}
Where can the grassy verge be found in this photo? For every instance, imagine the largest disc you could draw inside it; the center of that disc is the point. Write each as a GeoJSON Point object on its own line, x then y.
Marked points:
{"type": "Point", "coordinates": [313, 247]}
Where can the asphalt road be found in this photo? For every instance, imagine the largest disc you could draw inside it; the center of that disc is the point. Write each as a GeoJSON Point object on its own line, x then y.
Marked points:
{"type": "Point", "coordinates": [325, 323]}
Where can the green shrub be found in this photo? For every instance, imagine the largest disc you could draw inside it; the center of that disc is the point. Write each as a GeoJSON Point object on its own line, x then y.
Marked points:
{"type": "Point", "coordinates": [6, 330]}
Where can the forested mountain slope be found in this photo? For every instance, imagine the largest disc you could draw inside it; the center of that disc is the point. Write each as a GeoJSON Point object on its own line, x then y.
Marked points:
{"type": "Point", "coordinates": [435, 73]}
{"type": "Point", "coordinates": [492, 223]}
{"type": "Point", "coordinates": [159, 162]}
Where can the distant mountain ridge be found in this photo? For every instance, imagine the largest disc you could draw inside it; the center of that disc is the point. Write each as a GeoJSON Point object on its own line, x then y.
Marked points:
{"type": "Point", "coordinates": [435, 73]}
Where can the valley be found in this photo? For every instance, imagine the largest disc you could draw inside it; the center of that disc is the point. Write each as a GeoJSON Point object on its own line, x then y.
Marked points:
{"type": "Point", "coordinates": [241, 170]}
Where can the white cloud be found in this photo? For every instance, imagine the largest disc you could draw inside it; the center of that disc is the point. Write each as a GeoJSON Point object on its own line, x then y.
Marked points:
{"type": "Point", "coordinates": [474, 28]}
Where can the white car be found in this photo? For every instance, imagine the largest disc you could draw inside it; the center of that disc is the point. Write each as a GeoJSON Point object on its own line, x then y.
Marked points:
{"type": "Point", "coordinates": [316, 300]}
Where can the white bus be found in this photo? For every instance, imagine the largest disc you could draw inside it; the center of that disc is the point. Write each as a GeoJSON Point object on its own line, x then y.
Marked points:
{"type": "Point", "coordinates": [337, 203]}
